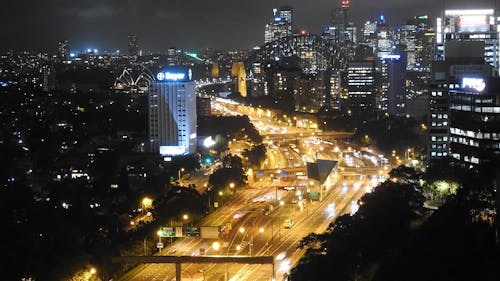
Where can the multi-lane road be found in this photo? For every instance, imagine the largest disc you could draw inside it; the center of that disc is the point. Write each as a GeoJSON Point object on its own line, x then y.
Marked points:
{"type": "Point", "coordinates": [265, 219]}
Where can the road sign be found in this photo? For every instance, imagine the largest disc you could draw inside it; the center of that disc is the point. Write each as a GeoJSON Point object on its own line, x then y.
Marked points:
{"type": "Point", "coordinates": [166, 232]}
{"type": "Point", "coordinates": [159, 245]}
{"type": "Point", "coordinates": [192, 231]}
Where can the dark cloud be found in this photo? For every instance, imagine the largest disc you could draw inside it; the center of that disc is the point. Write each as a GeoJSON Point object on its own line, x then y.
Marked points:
{"type": "Point", "coordinates": [159, 24]}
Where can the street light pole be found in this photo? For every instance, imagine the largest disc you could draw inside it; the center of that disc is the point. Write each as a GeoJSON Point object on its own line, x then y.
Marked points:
{"type": "Point", "coordinates": [179, 175]}
{"type": "Point", "coordinates": [145, 251]}
{"type": "Point", "coordinates": [250, 248]}
{"type": "Point", "coordinates": [272, 229]}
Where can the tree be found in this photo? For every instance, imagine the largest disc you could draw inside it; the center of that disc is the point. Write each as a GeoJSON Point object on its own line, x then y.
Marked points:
{"type": "Point", "coordinates": [353, 245]}
{"type": "Point", "coordinates": [256, 156]}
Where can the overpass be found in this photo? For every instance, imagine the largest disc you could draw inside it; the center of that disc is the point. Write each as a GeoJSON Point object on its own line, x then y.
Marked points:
{"type": "Point", "coordinates": [179, 260]}
{"type": "Point", "coordinates": [328, 134]}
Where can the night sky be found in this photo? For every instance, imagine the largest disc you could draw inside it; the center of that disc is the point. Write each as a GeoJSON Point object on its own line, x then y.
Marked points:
{"type": "Point", "coordinates": [189, 24]}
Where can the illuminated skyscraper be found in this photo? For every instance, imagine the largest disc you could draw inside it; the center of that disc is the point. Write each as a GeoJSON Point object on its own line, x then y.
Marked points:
{"type": "Point", "coordinates": [463, 105]}
{"type": "Point", "coordinates": [133, 47]}
{"type": "Point", "coordinates": [469, 25]}
{"type": "Point", "coordinates": [370, 35]}
{"type": "Point", "coordinates": [345, 7]}
{"type": "Point", "coordinates": [48, 78]}
{"type": "Point", "coordinates": [63, 50]}
{"type": "Point", "coordinates": [417, 36]}
{"type": "Point", "coordinates": [393, 85]}
{"type": "Point", "coordinates": [173, 56]}
{"type": "Point", "coordinates": [385, 39]}
{"type": "Point", "coordinates": [280, 25]}
{"type": "Point", "coordinates": [361, 85]}
{"type": "Point", "coordinates": [172, 113]}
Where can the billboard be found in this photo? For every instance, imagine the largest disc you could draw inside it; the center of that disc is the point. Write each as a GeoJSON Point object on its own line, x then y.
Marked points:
{"type": "Point", "coordinates": [172, 150]}
{"type": "Point", "coordinates": [473, 84]}
{"type": "Point", "coordinates": [473, 23]}
{"type": "Point", "coordinates": [174, 75]}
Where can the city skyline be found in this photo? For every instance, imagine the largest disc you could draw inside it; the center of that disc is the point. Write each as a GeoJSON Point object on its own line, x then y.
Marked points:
{"type": "Point", "coordinates": [250, 140]}
{"type": "Point", "coordinates": [105, 25]}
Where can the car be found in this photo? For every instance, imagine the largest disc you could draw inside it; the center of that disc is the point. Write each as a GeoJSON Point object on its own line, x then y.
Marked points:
{"type": "Point", "coordinates": [281, 256]}
{"type": "Point", "coordinates": [288, 223]}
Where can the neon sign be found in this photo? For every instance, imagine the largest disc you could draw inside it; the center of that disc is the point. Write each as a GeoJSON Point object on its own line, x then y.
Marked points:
{"type": "Point", "coordinates": [174, 76]}
{"type": "Point", "coordinates": [476, 84]}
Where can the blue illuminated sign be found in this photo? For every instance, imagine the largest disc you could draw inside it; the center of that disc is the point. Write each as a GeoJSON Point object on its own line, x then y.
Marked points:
{"type": "Point", "coordinates": [391, 57]}
{"type": "Point", "coordinates": [175, 75]}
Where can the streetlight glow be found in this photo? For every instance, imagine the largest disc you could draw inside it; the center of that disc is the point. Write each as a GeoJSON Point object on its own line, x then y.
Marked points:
{"type": "Point", "coordinates": [147, 203]}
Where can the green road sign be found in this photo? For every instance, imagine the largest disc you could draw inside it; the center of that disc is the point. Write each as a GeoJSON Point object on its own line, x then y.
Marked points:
{"type": "Point", "coordinates": [166, 232]}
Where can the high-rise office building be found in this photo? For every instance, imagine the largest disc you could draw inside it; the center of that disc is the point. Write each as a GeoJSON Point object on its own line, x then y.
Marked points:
{"type": "Point", "coordinates": [393, 85]}
{"type": "Point", "coordinates": [370, 35]}
{"type": "Point", "coordinates": [133, 46]}
{"type": "Point", "coordinates": [172, 113]}
{"type": "Point", "coordinates": [407, 37]}
{"type": "Point", "coordinates": [48, 78]}
{"type": "Point", "coordinates": [424, 43]}
{"type": "Point", "coordinates": [345, 7]}
{"type": "Point", "coordinates": [456, 103]}
{"type": "Point", "coordinates": [63, 50]}
{"type": "Point", "coordinates": [469, 25]}
{"type": "Point", "coordinates": [385, 39]}
{"type": "Point", "coordinates": [475, 119]}
{"type": "Point", "coordinates": [173, 56]}
{"type": "Point", "coordinates": [361, 85]}
{"type": "Point", "coordinates": [203, 106]}
{"type": "Point", "coordinates": [339, 29]}
{"type": "Point", "coordinates": [417, 36]}
{"type": "Point", "coordinates": [280, 25]}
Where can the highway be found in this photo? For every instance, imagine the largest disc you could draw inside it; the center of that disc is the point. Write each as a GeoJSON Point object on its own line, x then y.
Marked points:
{"type": "Point", "coordinates": [266, 220]}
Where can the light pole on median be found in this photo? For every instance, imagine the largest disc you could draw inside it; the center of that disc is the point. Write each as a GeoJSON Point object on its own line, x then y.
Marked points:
{"type": "Point", "coordinates": [250, 246]}
{"type": "Point", "coordinates": [179, 175]}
